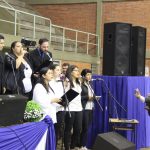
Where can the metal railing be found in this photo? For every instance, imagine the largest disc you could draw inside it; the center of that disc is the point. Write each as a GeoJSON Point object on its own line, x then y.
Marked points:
{"type": "Point", "coordinates": [77, 40]}
{"type": "Point", "coordinates": [66, 39]}
{"type": "Point", "coordinates": [8, 4]}
{"type": "Point", "coordinates": [16, 22]}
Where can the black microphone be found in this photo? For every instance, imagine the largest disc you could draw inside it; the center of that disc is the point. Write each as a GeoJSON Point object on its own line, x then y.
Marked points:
{"type": "Point", "coordinates": [50, 58]}
{"type": "Point", "coordinates": [59, 80]}
{"type": "Point", "coordinates": [9, 56]}
{"type": "Point", "coordinates": [97, 79]}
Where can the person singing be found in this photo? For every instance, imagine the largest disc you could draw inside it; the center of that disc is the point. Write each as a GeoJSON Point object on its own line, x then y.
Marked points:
{"type": "Point", "coordinates": [17, 71]}
{"type": "Point", "coordinates": [87, 104]}
{"type": "Point", "coordinates": [44, 95]}
{"type": "Point", "coordinates": [74, 108]}
{"type": "Point", "coordinates": [57, 85]}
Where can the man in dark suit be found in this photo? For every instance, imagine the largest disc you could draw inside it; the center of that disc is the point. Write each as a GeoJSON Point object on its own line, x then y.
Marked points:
{"type": "Point", "coordinates": [2, 89]}
{"type": "Point", "coordinates": [40, 57]}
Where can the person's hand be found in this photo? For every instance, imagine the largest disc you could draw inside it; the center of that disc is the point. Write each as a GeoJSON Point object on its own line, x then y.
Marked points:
{"type": "Point", "coordinates": [147, 108]}
{"type": "Point", "coordinates": [20, 55]}
{"type": "Point", "coordinates": [91, 98]}
{"type": "Point", "coordinates": [55, 100]}
{"type": "Point", "coordinates": [137, 93]}
{"type": "Point", "coordinates": [36, 75]}
{"type": "Point", "coordinates": [4, 90]}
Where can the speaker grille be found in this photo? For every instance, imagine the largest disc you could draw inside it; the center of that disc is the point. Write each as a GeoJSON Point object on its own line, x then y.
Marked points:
{"type": "Point", "coordinates": [116, 49]}
{"type": "Point", "coordinates": [12, 109]}
{"type": "Point", "coordinates": [138, 51]}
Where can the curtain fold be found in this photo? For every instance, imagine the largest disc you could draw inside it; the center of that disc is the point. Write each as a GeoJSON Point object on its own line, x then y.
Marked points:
{"type": "Point", "coordinates": [122, 88]}
{"type": "Point", "coordinates": [28, 135]}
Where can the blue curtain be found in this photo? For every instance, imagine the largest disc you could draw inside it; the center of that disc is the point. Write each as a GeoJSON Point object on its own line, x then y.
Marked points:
{"type": "Point", "coordinates": [122, 89]}
{"type": "Point", "coordinates": [27, 136]}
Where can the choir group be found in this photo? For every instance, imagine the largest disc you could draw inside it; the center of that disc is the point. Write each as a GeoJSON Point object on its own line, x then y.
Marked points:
{"type": "Point", "coordinates": [33, 74]}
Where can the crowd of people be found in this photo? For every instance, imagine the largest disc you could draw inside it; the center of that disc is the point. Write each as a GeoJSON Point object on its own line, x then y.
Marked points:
{"type": "Point", "coordinates": [33, 74]}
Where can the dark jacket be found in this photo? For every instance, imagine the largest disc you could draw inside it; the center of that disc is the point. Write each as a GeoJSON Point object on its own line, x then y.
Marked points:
{"type": "Point", "coordinates": [39, 59]}
{"type": "Point", "coordinates": [147, 107]}
{"type": "Point", "coordinates": [84, 95]}
{"type": "Point", "coordinates": [1, 72]}
{"type": "Point", "coordinates": [9, 75]}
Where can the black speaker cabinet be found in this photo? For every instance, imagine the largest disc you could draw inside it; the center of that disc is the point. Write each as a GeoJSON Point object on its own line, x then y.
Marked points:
{"type": "Point", "coordinates": [138, 51]}
{"type": "Point", "coordinates": [12, 109]}
{"type": "Point", "coordinates": [112, 141]}
{"type": "Point", "coordinates": [116, 48]}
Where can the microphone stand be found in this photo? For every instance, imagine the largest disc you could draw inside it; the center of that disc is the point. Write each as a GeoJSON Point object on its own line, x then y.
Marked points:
{"type": "Point", "coordinates": [94, 95]}
{"type": "Point", "coordinates": [14, 74]}
{"type": "Point", "coordinates": [67, 106]}
{"type": "Point", "coordinates": [111, 95]}
{"type": "Point", "coordinates": [66, 99]}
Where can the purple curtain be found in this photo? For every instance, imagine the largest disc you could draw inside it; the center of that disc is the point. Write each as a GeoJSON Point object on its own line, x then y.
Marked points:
{"type": "Point", "coordinates": [27, 136]}
{"type": "Point", "coordinates": [122, 88]}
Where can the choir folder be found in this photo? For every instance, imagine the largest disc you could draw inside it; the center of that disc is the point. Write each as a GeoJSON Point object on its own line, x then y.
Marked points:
{"type": "Point", "coordinates": [69, 95]}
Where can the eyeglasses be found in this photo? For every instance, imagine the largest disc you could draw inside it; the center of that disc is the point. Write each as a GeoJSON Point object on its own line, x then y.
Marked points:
{"type": "Point", "coordinates": [65, 68]}
{"type": "Point", "coordinates": [76, 70]}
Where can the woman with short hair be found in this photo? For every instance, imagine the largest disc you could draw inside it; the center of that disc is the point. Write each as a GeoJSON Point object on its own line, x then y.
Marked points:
{"type": "Point", "coordinates": [87, 104]}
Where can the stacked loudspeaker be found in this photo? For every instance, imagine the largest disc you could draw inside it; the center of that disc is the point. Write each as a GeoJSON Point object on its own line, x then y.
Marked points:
{"type": "Point", "coordinates": [124, 49]}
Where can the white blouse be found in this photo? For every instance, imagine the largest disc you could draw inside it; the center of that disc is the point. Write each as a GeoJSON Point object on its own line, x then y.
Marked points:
{"type": "Point", "coordinates": [75, 104]}
{"type": "Point", "coordinates": [43, 98]}
{"type": "Point", "coordinates": [89, 104]}
{"type": "Point", "coordinates": [27, 80]}
{"type": "Point", "coordinates": [59, 92]}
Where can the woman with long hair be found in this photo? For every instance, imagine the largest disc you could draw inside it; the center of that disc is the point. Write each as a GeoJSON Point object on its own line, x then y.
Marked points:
{"type": "Point", "coordinates": [73, 117]}
{"type": "Point", "coordinates": [57, 85]}
{"type": "Point", "coordinates": [44, 94]}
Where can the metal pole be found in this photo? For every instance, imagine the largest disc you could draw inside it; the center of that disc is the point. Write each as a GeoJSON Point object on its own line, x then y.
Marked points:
{"type": "Point", "coordinates": [63, 39]}
{"type": "Point", "coordinates": [34, 28]}
{"type": "Point", "coordinates": [76, 42]}
{"type": "Point", "coordinates": [87, 51]}
{"type": "Point", "coordinates": [15, 32]}
{"type": "Point", "coordinates": [50, 32]}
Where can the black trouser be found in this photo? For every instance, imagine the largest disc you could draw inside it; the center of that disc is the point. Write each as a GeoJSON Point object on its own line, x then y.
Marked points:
{"type": "Point", "coordinates": [59, 126]}
{"type": "Point", "coordinates": [74, 121]}
{"type": "Point", "coordinates": [87, 118]}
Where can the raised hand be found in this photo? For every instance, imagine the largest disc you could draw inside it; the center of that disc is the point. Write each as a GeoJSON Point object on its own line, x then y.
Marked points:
{"type": "Point", "coordinates": [137, 93]}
